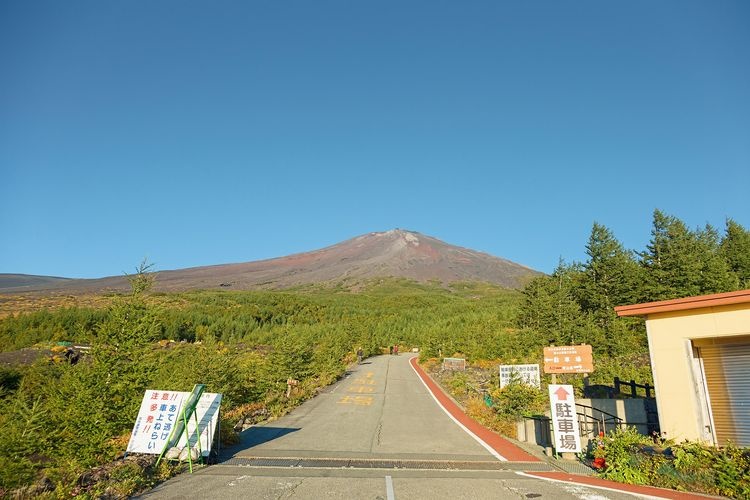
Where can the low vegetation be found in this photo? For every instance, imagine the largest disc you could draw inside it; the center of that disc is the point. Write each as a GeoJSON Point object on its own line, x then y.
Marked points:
{"type": "Point", "coordinates": [629, 457]}
{"type": "Point", "coordinates": [63, 422]}
{"type": "Point", "coordinates": [63, 419]}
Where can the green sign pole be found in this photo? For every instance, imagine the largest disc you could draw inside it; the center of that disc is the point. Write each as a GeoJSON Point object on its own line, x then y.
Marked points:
{"type": "Point", "coordinates": [181, 427]}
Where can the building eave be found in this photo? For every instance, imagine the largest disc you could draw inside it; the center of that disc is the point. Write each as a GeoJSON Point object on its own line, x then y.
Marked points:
{"type": "Point", "coordinates": [684, 304]}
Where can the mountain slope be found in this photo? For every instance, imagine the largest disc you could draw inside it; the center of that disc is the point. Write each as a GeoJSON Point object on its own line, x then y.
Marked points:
{"type": "Point", "coordinates": [30, 280]}
{"type": "Point", "coordinates": [395, 253]}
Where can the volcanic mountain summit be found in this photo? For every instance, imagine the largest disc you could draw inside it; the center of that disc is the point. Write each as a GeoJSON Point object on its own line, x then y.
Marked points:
{"type": "Point", "coordinates": [395, 253]}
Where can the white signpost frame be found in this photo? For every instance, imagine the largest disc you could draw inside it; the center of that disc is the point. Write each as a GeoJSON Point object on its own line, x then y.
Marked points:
{"type": "Point", "coordinates": [158, 414]}
{"type": "Point", "coordinates": [526, 374]}
{"type": "Point", "coordinates": [564, 419]}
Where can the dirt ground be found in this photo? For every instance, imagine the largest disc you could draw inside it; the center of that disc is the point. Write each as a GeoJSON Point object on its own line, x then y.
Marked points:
{"type": "Point", "coordinates": [22, 357]}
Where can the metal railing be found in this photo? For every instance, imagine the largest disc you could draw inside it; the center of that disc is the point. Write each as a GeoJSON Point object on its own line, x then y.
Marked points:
{"type": "Point", "coordinates": [593, 424]}
{"type": "Point", "coordinates": [633, 388]}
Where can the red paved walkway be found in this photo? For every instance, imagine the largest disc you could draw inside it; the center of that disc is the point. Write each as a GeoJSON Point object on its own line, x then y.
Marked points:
{"type": "Point", "coordinates": [611, 485]}
{"type": "Point", "coordinates": [505, 448]}
{"type": "Point", "coordinates": [511, 452]}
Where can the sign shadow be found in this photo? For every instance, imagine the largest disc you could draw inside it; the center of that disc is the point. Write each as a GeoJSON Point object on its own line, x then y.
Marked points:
{"type": "Point", "coordinates": [263, 434]}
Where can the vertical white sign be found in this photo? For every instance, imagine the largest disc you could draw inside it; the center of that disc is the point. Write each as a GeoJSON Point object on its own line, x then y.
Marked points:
{"type": "Point", "coordinates": [207, 413]}
{"type": "Point", "coordinates": [564, 419]}
{"type": "Point", "coordinates": [158, 414]}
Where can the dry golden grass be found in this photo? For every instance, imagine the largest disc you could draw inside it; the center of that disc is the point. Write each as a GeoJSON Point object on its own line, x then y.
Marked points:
{"type": "Point", "coordinates": [478, 410]}
{"type": "Point", "coordinates": [16, 304]}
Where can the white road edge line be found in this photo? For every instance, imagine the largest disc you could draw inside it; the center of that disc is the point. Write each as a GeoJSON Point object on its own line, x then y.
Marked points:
{"type": "Point", "coordinates": [389, 488]}
{"type": "Point", "coordinates": [477, 438]}
{"type": "Point", "coordinates": [615, 490]}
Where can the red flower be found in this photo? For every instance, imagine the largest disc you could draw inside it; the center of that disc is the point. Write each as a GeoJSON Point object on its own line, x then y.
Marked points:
{"type": "Point", "coordinates": [599, 463]}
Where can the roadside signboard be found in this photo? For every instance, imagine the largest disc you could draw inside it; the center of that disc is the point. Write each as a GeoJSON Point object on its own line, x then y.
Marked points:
{"type": "Point", "coordinates": [454, 364]}
{"type": "Point", "coordinates": [526, 374]}
{"type": "Point", "coordinates": [207, 413]}
{"type": "Point", "coordinates": [564, 419]}
{"type": "Point", "coordinates": [158, 415]}
{"type": "Point", "coordinates": [568, 359]}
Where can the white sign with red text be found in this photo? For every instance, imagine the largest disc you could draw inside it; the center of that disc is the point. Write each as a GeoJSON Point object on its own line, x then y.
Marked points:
{"type": "Point", "coordinates": [158, 414]}
{"type": "Point", "coordinates": [564, 419]}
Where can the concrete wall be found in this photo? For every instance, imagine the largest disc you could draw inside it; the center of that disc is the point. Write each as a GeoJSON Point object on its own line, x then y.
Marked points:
{"type": "Point", "coordinates": [633, 412]}
{"type": "Point", "coordinates": [672, 336]}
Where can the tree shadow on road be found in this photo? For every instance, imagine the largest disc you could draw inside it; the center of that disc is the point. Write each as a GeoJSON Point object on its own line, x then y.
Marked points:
{"type": "Point", "coordinates": [255, 436]}
{"type": "Point", "coordinates": [259, 435]}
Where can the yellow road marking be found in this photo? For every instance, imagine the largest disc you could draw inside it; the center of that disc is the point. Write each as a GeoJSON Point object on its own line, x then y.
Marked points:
{"type": "Point", "coordinates": [356, 400]}
{"type": "Point", "coordinates": [363, 381]}
{"type": "Point", "coordinates": [360, 389]}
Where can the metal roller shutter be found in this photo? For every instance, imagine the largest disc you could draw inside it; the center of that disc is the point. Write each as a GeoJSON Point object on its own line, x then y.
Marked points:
{"type": "Point", "coordinates": [727, 373]}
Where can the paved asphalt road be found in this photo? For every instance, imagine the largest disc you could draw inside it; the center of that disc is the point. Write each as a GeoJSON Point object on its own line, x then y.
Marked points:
{"type": "Point", "coordinates": [377, 434]}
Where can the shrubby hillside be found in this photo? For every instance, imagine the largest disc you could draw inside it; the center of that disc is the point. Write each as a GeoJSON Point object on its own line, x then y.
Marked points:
{"type": "Point", "coordinates": [60, 419]}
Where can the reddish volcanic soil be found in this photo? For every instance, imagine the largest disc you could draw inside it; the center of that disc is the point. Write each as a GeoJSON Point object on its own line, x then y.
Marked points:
{"type": "Point", "coordinates": [395, 253]}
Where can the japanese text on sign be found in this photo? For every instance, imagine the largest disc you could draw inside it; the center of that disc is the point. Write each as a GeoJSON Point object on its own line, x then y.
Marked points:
{"type": "Point", "coordinates": [158, 414]}
{"type": "Point", "coordinates": [525, 374]}
{"type": "Point", "coordinates": [454, 364]}
{"type": "Point", "coordinates": [155, 420]}
{"type": "Point", "coordinates": [564, 419]}
{"type": "Point", "coordinates": [568, 359]}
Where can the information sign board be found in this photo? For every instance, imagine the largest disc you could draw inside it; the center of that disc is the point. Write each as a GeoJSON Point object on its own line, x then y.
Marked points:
{"type": "Point", "coordinates": [526, 374]}
{"type": "Point", "coordinates": [564, 419]}
{"type": "Point", "coordinates": [157, 417]}
{"type": "Point", "coordinates": [454, 364]}
{"type": "Point", "coordinates": [568, 359]}
{"type": "Point", "coordinates": [207, 412]}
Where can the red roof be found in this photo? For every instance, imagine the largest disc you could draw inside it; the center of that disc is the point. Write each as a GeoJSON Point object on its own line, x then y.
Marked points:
{"type": "Point", "coordinates": [717, 299]}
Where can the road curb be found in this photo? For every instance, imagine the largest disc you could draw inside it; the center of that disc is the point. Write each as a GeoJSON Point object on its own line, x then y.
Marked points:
{"type": "Point", "coordinates": [512, 452]}
{"type": "Point", "coordinates": [489, 439]}
{"type": "Point", "coordinates": [595, 482]}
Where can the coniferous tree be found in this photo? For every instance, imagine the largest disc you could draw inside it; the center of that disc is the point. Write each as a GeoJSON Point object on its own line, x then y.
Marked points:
{"type": "Point", "coordinates": [681, 263]}
{"type": "Point", "coordinates": [735, 249]}
{"type": "Point", "coordinates": [715, 275]}
{"type": "Point", "coordinates": [671, 269]}
{"type": "Point", "coordinates": [610, 276]}
{"type": "Point", "coordinates": [550, 308]}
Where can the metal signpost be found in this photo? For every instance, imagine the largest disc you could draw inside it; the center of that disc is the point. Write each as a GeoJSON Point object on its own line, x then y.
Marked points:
{"type": "Point", "coordinates": [180, 428]}
{"type": "Point", "coordinates": [564, 419]}
{"type": "Point", "coordinates": [525, 374]}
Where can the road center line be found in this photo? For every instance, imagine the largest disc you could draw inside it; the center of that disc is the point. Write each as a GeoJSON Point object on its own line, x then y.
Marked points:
{"type": "Point", "coordinates": [389, 488]}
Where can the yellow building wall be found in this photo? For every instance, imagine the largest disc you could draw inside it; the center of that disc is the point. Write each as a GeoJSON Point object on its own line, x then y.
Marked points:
{"type": "Point", "coordinates": [671, 336]}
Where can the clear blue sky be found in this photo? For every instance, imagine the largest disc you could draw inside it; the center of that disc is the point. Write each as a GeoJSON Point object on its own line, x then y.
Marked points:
{"type": "Point", "coordinates": [197, 133]}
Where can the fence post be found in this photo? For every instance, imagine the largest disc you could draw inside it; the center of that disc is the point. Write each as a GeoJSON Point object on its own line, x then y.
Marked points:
{"type": "Point", "coordinates": [617, 385]}
{"type": "Point", "coordinates": [633, 389]}
{"type": "Point", "coordinates": [648, 390]}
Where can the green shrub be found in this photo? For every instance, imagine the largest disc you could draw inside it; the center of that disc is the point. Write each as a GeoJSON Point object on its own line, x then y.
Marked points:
{"type": "Point", "coordinates": [632, 458]}
{"type": "Point", "coordinates": [517, 400]}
